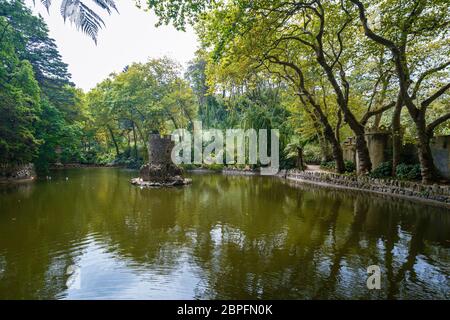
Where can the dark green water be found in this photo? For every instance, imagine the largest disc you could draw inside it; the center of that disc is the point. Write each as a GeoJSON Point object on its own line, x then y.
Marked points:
{"type": "Point", "coordinates": [95, 236]}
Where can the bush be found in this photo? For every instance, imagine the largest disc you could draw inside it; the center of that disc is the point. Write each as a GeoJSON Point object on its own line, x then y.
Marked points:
{"type": "Point", "coordinates": [408, 171]}
{"type": "Point", "coordinates": [384, 170]}
{"type": "Point", "coordinates": [349, 166]}
{"type": "Point", "coordinates": [312, 154]}
{"type": "Point", "coordinates": [328, 165]}
{"type": "Point", "coordinates": [331, 165]}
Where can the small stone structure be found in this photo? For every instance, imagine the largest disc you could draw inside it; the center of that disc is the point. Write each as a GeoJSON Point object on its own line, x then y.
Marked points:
{"type": "Point", "coordinates": [378, 143]}
{"type": "Point", "coordinates": [160, 170]}
{"type": "Point", "coordinates": [440, 148]}
{"type": "Point", "coordinates": [349, 150]}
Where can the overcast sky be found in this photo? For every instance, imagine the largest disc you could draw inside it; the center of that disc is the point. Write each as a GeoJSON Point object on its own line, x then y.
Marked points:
{"type": "Point", "coordinates": [130, 36]}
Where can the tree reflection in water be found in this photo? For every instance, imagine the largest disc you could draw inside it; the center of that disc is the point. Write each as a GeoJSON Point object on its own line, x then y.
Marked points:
{"type": "Point", "coordinates": [221, 237]}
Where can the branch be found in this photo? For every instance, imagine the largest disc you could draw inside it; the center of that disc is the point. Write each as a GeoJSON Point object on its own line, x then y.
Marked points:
{"type": "Point", "coordinates": [370, 114]}
{"type": "Point", "coordinates": [426, 74]}
{"type": "Point", "coordinates": [341, 47]}
{"type": "Point", "coordinates": [435, 123]}
{"type": "Point", "coordinates": [434, 96]}
{"type": "Point", "coordinates": [309, 44]}
{"type": "Point", "coordinates": [369, 32]}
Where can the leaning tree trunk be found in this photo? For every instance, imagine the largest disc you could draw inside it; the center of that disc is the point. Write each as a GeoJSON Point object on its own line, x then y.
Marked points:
{"type": "Point", "coordinates": [336, 148]}
{"type": "Point", "coordinates": [365, 165]}
{"type": "Point", "coordinates": [338, 157]}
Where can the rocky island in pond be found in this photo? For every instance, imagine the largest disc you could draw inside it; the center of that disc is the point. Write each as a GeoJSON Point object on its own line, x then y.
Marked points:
{"type": "Point", "coordinates": [160, 171]}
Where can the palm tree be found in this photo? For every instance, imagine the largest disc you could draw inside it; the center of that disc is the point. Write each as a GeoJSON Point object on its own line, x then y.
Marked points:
{"type": "Point", "coordinates": [84, 18]}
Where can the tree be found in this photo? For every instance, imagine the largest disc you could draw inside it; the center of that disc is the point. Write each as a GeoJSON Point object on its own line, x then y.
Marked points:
{"type": "Point", "coordinates": [417, 24]}
{"type": "Point", "coordinates": [144, 98]}
{"type": "Point", "coordinates": [256, 33]}
{"type": "Point", "coordinates": [41, 110]}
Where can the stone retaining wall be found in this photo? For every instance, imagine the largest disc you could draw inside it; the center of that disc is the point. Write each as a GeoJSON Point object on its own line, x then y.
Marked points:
{"type": "Point", "coordinates": [396, 187]}
{"type": "Point", "coordinates": [17, 172]}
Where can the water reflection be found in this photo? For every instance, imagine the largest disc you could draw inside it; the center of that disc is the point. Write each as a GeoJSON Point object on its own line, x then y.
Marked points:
{"type": "Point", "coordinates": [96, 236]}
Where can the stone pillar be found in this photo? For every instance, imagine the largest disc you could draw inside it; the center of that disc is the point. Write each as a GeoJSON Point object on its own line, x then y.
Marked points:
{"type": "Point", "coordinates": [378, 144]}
{"type": "Point", "coordinates": [349, 150]}
{"type": "Point", "coordinates": [160, 170]}
{"type": "Point", "coordinates": [159, 149]}
{"type": "Point", "coordinates": [440, 149]}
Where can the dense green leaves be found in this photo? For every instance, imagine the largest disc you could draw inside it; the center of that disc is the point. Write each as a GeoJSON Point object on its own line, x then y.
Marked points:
{"type": "Point", "coordinates": [144, 98]}
{"type": "Point", "coordinates": [40, 109]}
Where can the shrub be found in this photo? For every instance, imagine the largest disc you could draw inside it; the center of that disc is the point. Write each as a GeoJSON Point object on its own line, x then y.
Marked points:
{"type": "Point", "coordinates": [331, 165]}
{"type": "Point", "coordinates": [312, 154]}
{"type": "Point", "coordinates": [349, 166]}
{"type": "Point", "coordinates": [384, 170]}
{"type": "Point", "coordinates": [408, 171]}
{"type": "Point", "coordinates": [328, 165]}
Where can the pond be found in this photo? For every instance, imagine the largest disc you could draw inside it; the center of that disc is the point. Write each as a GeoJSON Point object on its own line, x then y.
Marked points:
{"type": "Point", "coordinates": [90, 234]}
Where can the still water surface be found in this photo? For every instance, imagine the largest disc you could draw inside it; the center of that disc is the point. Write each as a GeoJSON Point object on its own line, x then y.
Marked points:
{"type": "Point", "coordinates": [95, 236]}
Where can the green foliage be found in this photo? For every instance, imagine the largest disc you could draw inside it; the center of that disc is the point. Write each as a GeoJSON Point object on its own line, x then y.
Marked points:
{"type": "Point", "coordinates": [41, 111]}
{"type": "Point", "coordinates": [312, 154]}
{"type": "Point", "coordinates": [350, 167]}
{"type": "Point", "coordinates": [352, 56]}
{"type": "Point", "coordinates": [328, 165]}
{"type": "Point", "coordinates": [19, 99]}
{"type": "Point", "coordinates": [126, 107]}
{"type": "Point", "coordinates": [408, 171]}
{"type": "Point", "coordinates": [177, 12]}
{"type": "Point", "coordinates": [384, 170]}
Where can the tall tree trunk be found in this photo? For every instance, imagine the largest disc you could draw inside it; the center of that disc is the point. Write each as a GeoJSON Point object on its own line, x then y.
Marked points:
{"type": "Point", "coordinates": [114, 140]}
{"type": "Point", "coordinates": [397, 140]}
{"type": "Point", "coordinates": [128, 140]}
{"type": "Point", "coordinates": [300, 163]}
{"type": "Point", "coordinates": [427, 167]}
{"type": "Point", "coordinates": [364, 163]}
{"type": "Point", "coordinates": [135, 142]}
{"type": "Point", "coordinates": [336, 150]}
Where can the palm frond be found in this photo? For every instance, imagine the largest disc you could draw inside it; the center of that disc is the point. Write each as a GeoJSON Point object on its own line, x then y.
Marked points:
{"type": "Point", "coordinates": [84, 18]}
{"type": "Point", "coordinates": [46, 3]}
{"type": "Point", "coordinates": [106, 5]}
{"type": "Point", "coordinates": [87, 20]}
{"type": "Point", "coordinates": [67, 8]}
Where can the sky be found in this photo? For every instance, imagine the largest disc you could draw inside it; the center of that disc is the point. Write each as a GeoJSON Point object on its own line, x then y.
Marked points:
{"type": "Point", "coordinates": [130, 36]}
